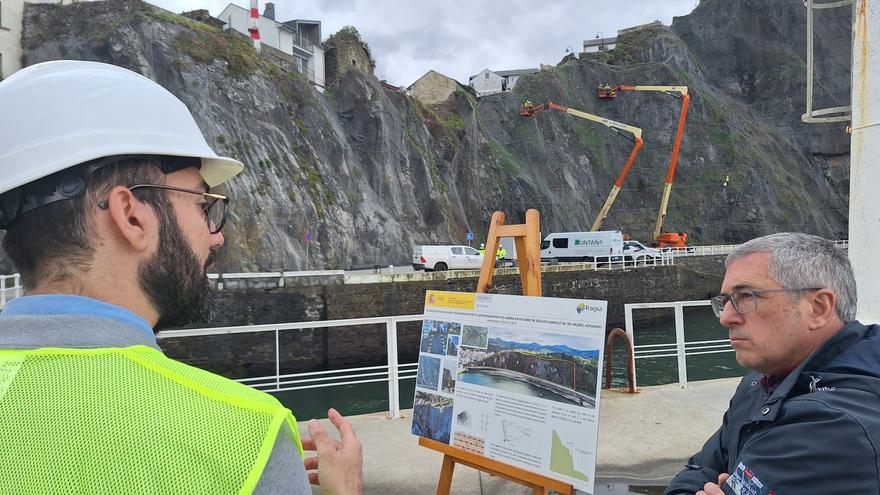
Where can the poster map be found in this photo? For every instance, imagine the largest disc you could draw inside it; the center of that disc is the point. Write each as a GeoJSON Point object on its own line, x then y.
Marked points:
{"type": "Point", "coordinates": [513, 378]}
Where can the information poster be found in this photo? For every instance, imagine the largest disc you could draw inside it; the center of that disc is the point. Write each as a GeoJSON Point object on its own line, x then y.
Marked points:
{"type": "Point", "coordinates": [513, 378]}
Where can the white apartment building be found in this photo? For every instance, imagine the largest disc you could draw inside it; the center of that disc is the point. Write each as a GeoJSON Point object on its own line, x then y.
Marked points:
{"type": "Point", "coordinates": [298, 38]}
{"type": "Point", "coordinates": [490, 82]}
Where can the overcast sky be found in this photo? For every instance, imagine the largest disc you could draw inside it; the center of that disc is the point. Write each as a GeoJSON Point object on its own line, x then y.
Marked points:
{"type": "Point", "coordinates": [460, 38]}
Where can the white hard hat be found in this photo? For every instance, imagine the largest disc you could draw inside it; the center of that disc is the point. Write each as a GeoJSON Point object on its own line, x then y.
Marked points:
{"type": "Point", "coordinates": [56, 115]}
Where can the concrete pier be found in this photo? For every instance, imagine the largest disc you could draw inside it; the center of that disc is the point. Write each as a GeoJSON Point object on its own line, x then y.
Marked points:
{"type": "Point", "coordinates": [644, 440]}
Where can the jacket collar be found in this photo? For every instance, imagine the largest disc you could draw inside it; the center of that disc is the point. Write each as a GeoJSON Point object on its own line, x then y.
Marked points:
{"type": "Point", "coordinates": [801, 379]}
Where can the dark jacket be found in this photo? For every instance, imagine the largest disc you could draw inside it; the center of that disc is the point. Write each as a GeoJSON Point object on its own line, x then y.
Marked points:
{"type": "Point", "coordinates": [817, 433]}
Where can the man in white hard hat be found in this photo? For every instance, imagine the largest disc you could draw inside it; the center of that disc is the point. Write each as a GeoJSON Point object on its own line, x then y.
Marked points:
{"type": "Point", "coordinates": [108, 199]}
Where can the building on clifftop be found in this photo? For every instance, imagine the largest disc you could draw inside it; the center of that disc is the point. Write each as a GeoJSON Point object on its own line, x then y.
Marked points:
{"type": "Point", "coordinates": [346, 50]}
{"type": "Point", "coordinates": [433, 88]}
{"type": "Point", "coordinates": [299, 38]}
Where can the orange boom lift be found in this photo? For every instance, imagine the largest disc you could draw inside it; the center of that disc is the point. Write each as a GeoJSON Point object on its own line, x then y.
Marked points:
{"type": "Point", "coordinates": [529, 110]}
{"type": "Point", "coordinates": [607, 92]}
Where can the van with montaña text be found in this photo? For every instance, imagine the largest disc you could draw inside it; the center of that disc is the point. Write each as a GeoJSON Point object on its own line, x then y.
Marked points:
{"type": "Point", "coordinates": [602, 245]}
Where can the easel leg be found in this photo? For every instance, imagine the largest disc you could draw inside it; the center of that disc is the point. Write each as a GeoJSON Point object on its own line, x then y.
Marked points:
{"type": "Point", "coordinates": [445, 483]}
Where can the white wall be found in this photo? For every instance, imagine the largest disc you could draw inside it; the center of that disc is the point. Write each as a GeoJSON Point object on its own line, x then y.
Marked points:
{"type": "Point", "coordinates": [486, 82]}
{"type": "Point", "coordinates": [10, 35]}
{"type": "Point", "coordinates": [512, 80]}
{"type": "Point", "coordinates": [269, 34]}
{"type": "Point", "coordinates": [316, 65]}
{"type": "Point", "coordinates": [285, 40]}
{"type": "Point", "coordinates": [595, 48]}
{"type": "Point", "coordinates": [239, 19]}
{"type": "Point", "coordinates": [235, 18]}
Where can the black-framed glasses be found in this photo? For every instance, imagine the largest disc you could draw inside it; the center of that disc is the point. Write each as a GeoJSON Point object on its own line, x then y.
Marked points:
{"type": "Point", "coordinates": [214, 208]}
{"type": "Point", "coordinates": [746, 300]}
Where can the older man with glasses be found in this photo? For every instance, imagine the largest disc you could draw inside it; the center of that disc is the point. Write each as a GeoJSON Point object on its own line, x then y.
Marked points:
{"type": "Point", "coordinates": [806, 420]}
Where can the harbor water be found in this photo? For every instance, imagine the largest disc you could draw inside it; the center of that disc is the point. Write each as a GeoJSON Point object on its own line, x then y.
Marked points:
{"type": "Point", "coordinates": [700, 324]}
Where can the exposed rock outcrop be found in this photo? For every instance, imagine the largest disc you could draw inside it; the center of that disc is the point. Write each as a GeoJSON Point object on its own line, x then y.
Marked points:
{"type": "Point", "coordinates": [366, 172]}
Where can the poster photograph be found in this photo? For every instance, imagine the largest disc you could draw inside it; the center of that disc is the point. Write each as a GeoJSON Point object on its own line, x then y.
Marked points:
{"type": "Point", "coordinates": [544, 364]}
{"type": "Point", "coordinates": [513, 378]}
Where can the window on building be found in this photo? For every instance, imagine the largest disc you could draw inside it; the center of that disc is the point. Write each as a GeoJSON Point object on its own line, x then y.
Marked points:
{"type": "Point", "coordinates": [354, 62]}
{"type": "Point", "coordinates": [486, 76]}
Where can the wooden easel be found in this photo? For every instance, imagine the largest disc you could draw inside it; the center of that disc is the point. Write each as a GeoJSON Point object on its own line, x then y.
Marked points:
{"type": "Point", "coordinates": [528, 240]}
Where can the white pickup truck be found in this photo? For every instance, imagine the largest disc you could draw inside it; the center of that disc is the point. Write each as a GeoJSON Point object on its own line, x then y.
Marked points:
{"type": "Point", "coordinates": [440, 258]}
{"type": "Point", "coordinates": [636, 252]}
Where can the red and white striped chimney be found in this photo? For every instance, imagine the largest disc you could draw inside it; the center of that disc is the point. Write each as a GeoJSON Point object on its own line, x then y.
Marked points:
{"type": "Point", "coordinates": [255, 25]}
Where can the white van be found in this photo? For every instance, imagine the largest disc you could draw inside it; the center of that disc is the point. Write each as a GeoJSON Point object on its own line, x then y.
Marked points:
{"type": "Point", "coordinates": [439, 258]}
{"type": "Point", "coordinates": [603, 245]}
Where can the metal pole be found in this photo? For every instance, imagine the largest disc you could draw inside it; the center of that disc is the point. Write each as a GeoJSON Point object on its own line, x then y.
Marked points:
{"type": "Point", "coordinates": [17, 280]}
{"type": "Point", "coordinates": [2, 290]}
{"type": "Point", "coordinates": [277, 362]}
{"type": "Point", "coordinates": [393, 382]}
{"type": "Point", "coordinates": [628, 323]}
{"type": "Point", "coordinates": [254, 28]}
{"type": "Point", "coordinates": [679, 343]}
{"type": "Point", "coordinates": [864, 210]}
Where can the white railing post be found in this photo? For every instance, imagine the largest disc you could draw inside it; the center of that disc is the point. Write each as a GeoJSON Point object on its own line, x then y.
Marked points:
{"type": "Point", "coordinates": [393, 383]}
{"type": "Point", "coordinates": [679, 344]}
{"type": "Point", "coordinates": [17, 279]}
{"type": "Point", "coordinates": [628, 323]}
{"type": "Point", "coordinates": [277, 362]}
{"type": "Point", "coordinates": [2, 290]}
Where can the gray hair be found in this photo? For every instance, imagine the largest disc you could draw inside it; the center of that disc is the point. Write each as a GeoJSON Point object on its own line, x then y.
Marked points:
{"type": "Point", "coordinates": [804, 260]}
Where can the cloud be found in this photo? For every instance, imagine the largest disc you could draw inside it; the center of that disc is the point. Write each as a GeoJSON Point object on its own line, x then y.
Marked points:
{"type": "Point", "coordinates": [459, 38]}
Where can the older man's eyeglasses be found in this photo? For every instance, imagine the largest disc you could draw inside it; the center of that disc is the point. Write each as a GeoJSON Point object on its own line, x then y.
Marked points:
{"type": "Point", "coordinates": [746, 300]}
{"type": "Point", "coordinates": [214, 207]}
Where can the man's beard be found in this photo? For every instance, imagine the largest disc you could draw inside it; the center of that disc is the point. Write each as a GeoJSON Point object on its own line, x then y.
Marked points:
{"type": "Point", "coordinates": [173, 279]}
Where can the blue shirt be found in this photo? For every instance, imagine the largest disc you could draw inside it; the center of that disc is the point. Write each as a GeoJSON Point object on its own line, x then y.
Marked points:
{"type": "Point", "coordinates": [63, 304]}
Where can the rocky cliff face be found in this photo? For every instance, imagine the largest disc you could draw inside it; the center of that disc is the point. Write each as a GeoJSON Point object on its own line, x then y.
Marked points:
{"type": "Point", "coordinates": [366, 172]}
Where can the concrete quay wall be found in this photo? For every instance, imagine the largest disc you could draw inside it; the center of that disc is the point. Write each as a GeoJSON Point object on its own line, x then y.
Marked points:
{"type": "Point", "coordinates": [341, 297]}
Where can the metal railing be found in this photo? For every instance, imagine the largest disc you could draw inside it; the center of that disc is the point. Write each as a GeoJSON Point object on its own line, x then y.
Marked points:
{"type": "Point", "coordinates": [619, 262]}
{"type": "Point", "coordinates": [630, 359]}
{"type": "Point", "coordinates": [722, 249]}
{"type": "Point", "coordinates": [220, 279]}
{"type": "Point", "coordinates": [680, 348]}
{"type": "Point", "coordinates": [665, 258]}
{"type": "Point", "coordinates": [392, 372]}
{"type": "Point", "coordinates": [8, 292]}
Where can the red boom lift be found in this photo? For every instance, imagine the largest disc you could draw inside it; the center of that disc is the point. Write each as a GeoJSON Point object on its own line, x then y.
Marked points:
{"type": "Point", "coordinates": [529, 110]}
{"type": "Point", "coordinates": [607, 92]}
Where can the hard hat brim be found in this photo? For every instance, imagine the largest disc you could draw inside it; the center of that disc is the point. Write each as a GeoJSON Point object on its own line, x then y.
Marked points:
{"type": "Point", "coordinates": [218, 170]}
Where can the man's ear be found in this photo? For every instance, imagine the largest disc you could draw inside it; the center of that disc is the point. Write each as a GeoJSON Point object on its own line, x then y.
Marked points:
{"type": "Point", "coordinates": [822, 308]}
{"type": "Point", "coordinates": [131, 217]}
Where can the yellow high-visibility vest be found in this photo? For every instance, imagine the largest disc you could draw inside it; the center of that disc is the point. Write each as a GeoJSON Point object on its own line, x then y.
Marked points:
{"type": "Point", "coordinates": [130, 420]}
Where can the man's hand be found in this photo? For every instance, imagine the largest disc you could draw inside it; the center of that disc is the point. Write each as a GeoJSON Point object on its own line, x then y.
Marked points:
{"type": "Point", "coordinates": [712, 488]}
{"type": "Point", "coordinates": [339, 464]}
